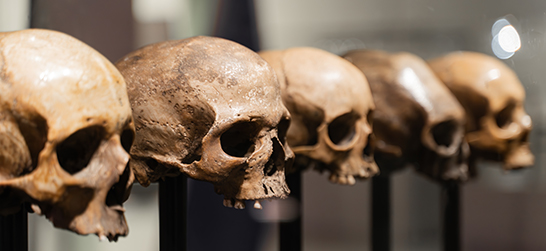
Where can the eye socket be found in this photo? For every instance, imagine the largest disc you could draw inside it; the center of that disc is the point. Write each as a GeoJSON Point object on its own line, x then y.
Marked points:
{"type": "Point", "coordinates": [127, 137]}
{"type": "Point", "coordinates": [342, 129]}
{"type": "Point", "coordinates": [75, 152]}
{"type": "Point", "coordinates": [283, 129]}
{"type": "Point", "coordinates": [444, 132]}
{"type": "Point", "coordinates": [504, 117]}
{"type": "Point", "coordinates": [238, 141]}
{"type": "Point", "coordinates": [35, 134]}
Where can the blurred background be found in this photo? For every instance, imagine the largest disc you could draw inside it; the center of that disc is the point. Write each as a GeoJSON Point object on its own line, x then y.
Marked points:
{"type": "Point", "coordinates": [500, 210]}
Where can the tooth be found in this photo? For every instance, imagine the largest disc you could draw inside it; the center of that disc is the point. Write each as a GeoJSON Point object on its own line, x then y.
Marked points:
{"type": "Point", "coordinates": [228, 203]}
{"type": "Point", "coordinates": [118, 208]}
{"type": "Point", "coordinates": [257, 205]}
{"type": "Point", "coordinates": [342, 180]}
{"type": "Point", "coordinates": [351, 180]}
{"type": "Point", "coordinates": [362, 173]}
{"type": "Point", "coordinates": [239, 204]}
{"type": "Point", "coordinates": [102, 237]}
{"type": "Point", "coordinates": [36, 209]}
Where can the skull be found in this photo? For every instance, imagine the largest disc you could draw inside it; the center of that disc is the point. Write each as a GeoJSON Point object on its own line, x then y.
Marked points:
{"type": "Point", "coordinates": [65, 120]}
{"type": "Point", "coordinates": [417, 121]}
{"type": "Point", "coordinates": [331, 106]}
{"type": "Point", "coordinates": [211, 109]}
{"type": "Point", "coordinates": [498, 127]}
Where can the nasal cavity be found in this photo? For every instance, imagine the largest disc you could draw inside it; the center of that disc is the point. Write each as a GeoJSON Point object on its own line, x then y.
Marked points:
{"type": "Point", "coordinates": [444, 133]}
{"type": "Point", "coordinates": [276, 159]}
{"type": "Point", "coordinates": [369, 148]}
{"type": "Point", "coordinates": [239, 140]}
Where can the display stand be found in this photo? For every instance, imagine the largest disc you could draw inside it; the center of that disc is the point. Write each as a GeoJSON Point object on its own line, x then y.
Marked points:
{"type": "Point", "coordinates": [291, 234]}
{"type": "Point", "coordinates": [381, 213]}
{"type": "Point", "coordinates": [451, 216]}
{"type": "Point", "coordinates": [14, 232]}
{"type": "Point", "coordinates": [172, 213]}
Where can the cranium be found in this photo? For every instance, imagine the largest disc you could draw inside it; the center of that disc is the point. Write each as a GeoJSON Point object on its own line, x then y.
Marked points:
{"type": "Point", "coordinates": [65, 120]}
{"type": "Point", "coordinates": [417, 120]}
{"type": "Point", "coordinates": [211, 109]}
{"type": "Point", "coordinates": [498, 127]}
{"type": "Point", "coordinates": [331, 106]}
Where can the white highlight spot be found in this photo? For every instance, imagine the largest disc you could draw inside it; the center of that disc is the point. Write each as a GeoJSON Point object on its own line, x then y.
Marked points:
{"type": "Point", "coordinates": [509, 39]}
{"type": "Point", "coordinates": [493, 74]}
{"type": "Point", "coordinates": [506, 40]}
{"type": "Point", "coordinates": [409, 79]}
{"type": "Point", "coordinates": [526, 121]}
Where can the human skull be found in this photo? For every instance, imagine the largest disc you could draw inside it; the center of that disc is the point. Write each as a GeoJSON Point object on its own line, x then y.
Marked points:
{"type": "Point", "coordinates": [331, 106]}
{"type": "Point", "coordinates": [65, 120]}
{"type": "Point", "coordinates": [498, 127]}
{"type": "Point", "coordinates": [417, 120]}
{"type": "Point", "coordinates": [211, 109]}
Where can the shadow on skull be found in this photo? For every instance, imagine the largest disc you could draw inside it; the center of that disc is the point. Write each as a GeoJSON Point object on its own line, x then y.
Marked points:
{"type": "Point", "coordinates": [65, 132]}
{"type": "Point", "coordinates": [211, 109]}
{"type": "Point", "coordinates": [417, 122]}
{"type": "Point", "coordinates": [331, 106]}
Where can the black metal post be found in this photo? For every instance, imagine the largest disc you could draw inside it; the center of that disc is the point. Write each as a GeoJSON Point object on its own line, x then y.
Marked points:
{"type": "Point", "coordinates": [14, 232]}
{"type": "Point", "coordinates": [381, 213]}
{"type": "Point", "coordinates": [236, 21]}
{"type": "Point", "coordinates": [173, 213]}
{"type": "Point", "coordinates": [451, 210]}
{"type": "Point", "coordinates": [291, 232]}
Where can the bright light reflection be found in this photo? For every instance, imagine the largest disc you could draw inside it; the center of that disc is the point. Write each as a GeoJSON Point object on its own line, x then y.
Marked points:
{"type": "Point", "coordinates": [409, 79]}
{"type": "Point", "coordinates": [509, 39]}
{"type": "Point", "coordinates": [506, 40]}
{"type": "Point", "coordinates": [493, 74]}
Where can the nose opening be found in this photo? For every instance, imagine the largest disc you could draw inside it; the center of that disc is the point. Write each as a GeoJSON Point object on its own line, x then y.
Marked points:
{"type": "Point", "coordinates": [119, 192]}
{"type": "Point", "coordinates": [283, 129]}
{"type": "Point", "coordinates": [368, 151]}
{"type": "Point", "coordinates": [275, 159]}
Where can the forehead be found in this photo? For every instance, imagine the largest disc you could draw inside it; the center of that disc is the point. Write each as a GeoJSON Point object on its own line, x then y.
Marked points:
{"type": "Point", "coordinates": [326, 80]}
{"type": "Point", "coordinates": [59, 77]}
{"type": "Point", "coordinates": [420, 82]}
{"type": "Point", "coordinates": [224, 74]}
{"type": "Point", "coordinates": [485, 75]}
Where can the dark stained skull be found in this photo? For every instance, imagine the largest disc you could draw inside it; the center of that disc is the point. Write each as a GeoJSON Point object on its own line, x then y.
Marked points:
{"type": "Point", "coordinates": [417, 120]}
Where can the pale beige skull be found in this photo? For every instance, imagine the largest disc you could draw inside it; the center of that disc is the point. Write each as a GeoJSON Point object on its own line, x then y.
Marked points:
{"type": "Point", "coordinates": [211, 109]}
{"type": "Point", "coordinates": [63, 110]}
{"type": "Point", "coordinates": [331, 105]}
{"type": "Point", "coordinates": [417, 120]}
{"type": "Point", "coordinates": [498, 126]}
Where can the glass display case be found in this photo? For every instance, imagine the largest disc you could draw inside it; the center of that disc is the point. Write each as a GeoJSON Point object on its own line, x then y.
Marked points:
{"type": "Point", "coordinates": [500, 210]}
